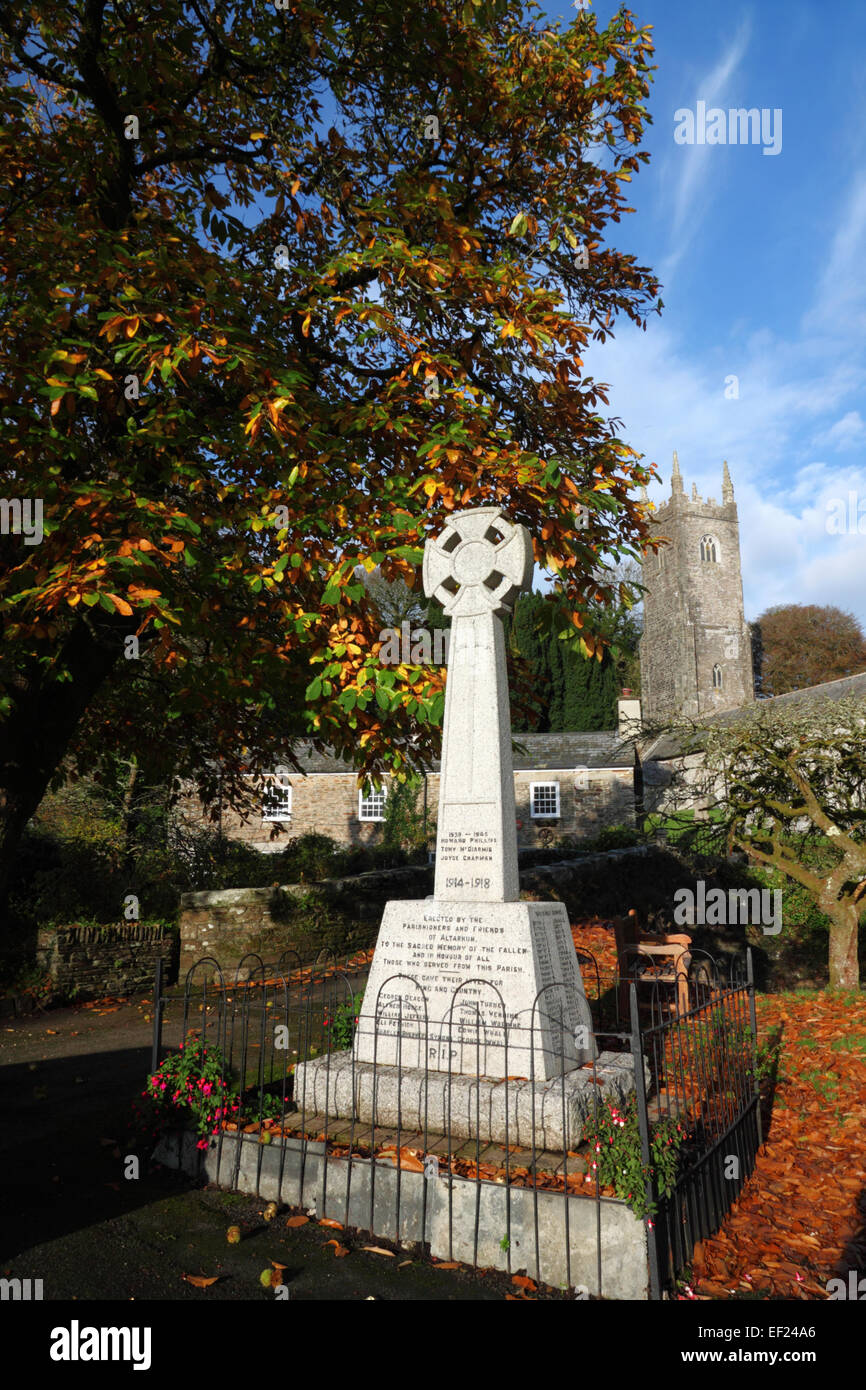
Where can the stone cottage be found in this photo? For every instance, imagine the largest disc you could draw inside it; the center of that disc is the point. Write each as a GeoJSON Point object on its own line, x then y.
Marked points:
{"type": "Point", "coordinates": [564, 783]}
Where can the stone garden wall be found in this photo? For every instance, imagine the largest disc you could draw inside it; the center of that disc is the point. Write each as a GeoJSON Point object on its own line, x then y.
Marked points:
{"type": "Point", "coordinates": [87, 962]}
{"type": "Point", "coordinates": [341, 914]}
{"type": "Point", "coordinates": [346, 912]}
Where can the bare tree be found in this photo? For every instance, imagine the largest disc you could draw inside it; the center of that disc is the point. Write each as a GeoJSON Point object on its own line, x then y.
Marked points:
{"type": "Point", "coordinates": [392, 599]}
{"type": "Point", "coordinates": [786, 783]}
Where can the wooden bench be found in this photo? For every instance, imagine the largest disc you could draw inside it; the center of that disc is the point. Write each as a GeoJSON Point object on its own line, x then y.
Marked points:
{"type": "Point", "coordinates": [663, 958]}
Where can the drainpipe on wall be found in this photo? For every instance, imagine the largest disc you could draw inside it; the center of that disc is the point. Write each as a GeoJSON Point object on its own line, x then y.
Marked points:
{"type": "Point", "coordinates": [425, 808]}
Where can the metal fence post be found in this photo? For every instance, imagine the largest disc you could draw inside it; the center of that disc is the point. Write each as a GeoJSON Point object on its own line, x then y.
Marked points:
{"type": "Point", "coordinates": [158, 1006]}
{"type": "Point", "coordinates": [753, 1017]}
{"type": "Point", "coordinates": [646, 1158]}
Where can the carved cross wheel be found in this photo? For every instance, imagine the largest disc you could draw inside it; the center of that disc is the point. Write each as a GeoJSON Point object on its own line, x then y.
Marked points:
{"type": "Point", "coordinates": [479, 564]}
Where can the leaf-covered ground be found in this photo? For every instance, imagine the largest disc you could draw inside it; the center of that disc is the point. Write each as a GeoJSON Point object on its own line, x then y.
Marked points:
{"type": "Point", "coordinates": [801, 1219]}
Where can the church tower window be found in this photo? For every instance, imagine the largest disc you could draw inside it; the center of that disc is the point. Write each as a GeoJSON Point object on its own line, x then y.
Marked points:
{"type": "Point", "coordinates": [709, 549]}
{"type": "Point", "coordinates": [717, 677]}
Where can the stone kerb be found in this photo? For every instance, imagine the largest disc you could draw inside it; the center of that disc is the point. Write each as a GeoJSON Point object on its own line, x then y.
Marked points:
{"type": "Point", "coordinates": [563, 1241]}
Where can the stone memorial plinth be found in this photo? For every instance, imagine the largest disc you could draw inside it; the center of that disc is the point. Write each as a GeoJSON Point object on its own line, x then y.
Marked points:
{"type": "Point", "coordinates": [490, 989]}
{"type": "Point", "coordinates": [471, 983]}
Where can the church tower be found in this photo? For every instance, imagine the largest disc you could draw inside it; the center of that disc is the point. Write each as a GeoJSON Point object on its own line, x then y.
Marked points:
{"type": "Point", "coordinates": [696, 650]}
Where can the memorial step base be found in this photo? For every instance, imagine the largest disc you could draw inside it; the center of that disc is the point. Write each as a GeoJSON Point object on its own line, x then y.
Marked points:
{"type": "Point", "coordinates": [544, 1115]}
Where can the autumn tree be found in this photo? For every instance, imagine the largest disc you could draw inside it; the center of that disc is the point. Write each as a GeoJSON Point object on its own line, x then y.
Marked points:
{"type": "Point", "coordinates": [282, 288]}
{"type": "Point", "coordinates": [786, 784]}
{"type": "Point", "coordinates": [804, 644]}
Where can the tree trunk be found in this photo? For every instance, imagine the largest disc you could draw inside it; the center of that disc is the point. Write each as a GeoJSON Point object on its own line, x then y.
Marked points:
{"type": "Point", "coordinates": [844, 964]}
{"type": "Point", "coordinates": [36, 734]}
{"type": "Point", "coordinates": [129, 818]}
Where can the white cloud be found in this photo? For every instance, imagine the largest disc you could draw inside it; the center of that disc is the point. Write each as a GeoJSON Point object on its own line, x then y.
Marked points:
{"type": "Point", "coordinates": [840, 299]}
{"type": "Point", "coordinates": [688, 167]}
{"type": "Point", "coordinates": [845, 434]}
{"type": "Point", "coordinates": [696, 166]}
{"type": "Point", "coordinates": [670, 399]}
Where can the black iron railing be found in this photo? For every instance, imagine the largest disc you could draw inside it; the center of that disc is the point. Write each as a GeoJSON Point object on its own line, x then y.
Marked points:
{"type": "Point", "coordinates": [428, 1129]}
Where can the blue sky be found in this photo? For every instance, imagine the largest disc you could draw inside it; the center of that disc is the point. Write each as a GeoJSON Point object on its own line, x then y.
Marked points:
{"type": "Point", "coordinates": [763, 264]}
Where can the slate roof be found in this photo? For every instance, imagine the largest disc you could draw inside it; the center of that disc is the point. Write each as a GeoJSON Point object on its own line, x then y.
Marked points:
{"type": "Point", "coordinates": [533, 752]}
{"type": "Point", "coordinates": [668, 745]}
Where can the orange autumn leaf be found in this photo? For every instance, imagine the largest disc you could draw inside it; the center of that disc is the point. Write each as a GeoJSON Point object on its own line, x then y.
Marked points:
{"type": "Point", "coordinates": [199, 1281]}
{"type": "Point", "coordinates": [121, 605]}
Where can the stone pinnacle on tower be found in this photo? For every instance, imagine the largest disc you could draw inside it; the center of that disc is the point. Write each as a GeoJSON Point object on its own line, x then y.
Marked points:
{"type": "Point", "coordinates": [727, 485]}
{"type": "Point", "coordinates": [676, 478]}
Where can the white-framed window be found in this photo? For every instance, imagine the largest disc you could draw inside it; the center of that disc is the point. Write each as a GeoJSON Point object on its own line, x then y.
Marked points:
{"type": "Point", "coordinates": [276, 802]}
{"type": "Point", "coordinates": [371, 803]}
{"type": "Point", "coordinates": [544, 800]}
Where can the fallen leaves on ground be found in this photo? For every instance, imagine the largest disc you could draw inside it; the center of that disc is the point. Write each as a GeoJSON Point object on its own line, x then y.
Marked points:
{"type": "Point", "coordinates": [295, 1221]}
{"type": "Point", "coordinates": [109, 1005]}
{"type": "Point", "coordinates": [410, 1159]}
{"type": "Point", "coordinates": [199, 1281]}
{"type": "Point", "coordinates": [595, 934]}
{"type": "Point", "coordinates": [787, 1234]}
{"type": "Point", "coordinates": [305, 975]}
